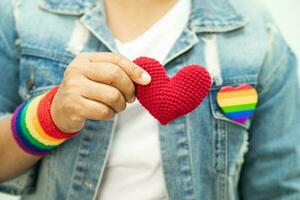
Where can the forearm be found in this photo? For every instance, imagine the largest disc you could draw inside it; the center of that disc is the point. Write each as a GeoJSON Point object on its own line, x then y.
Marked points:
{"type": "Point", "coordinates": [14, 161]}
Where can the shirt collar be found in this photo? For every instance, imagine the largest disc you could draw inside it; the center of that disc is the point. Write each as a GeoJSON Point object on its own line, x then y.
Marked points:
{"type": "Point", "coordinates": [206, 15]}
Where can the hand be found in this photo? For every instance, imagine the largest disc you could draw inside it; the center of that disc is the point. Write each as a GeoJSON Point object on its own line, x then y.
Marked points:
{"type": "Point", "coordinates": [95, 86]}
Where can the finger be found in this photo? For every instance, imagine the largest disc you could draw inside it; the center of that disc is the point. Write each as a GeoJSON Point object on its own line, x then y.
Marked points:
{"type": "Point", "coordinates": [113, 75]}
{"type": "Point", "coordinates": [135, 72]}
{"type": "Point", "coordinates": [95, 110]}
{"type": "Point", "coordinates": [103, 93]}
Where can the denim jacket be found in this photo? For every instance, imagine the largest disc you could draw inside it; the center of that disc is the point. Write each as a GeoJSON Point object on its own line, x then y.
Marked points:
{"type": "Point", "coordinates": [205, 155]}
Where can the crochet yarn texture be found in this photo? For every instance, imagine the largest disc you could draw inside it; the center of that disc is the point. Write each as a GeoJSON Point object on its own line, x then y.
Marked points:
{"type": "Point", "coordinates": [169, 98]}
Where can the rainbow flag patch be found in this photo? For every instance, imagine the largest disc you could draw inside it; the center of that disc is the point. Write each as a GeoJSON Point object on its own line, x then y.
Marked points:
{"type": "Point", "coordinates": [238, 103]}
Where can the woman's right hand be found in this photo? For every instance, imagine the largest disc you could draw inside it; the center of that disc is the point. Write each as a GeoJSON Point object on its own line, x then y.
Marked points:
{"type": "Point", "coordinates": [95, 86]}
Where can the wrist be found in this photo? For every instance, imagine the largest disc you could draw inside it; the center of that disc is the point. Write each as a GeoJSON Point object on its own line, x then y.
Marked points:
{"type": "Point", "coordinates": [45, 117]}
{"type": "Point", "coordinates": [33, 128]}
{"type": "Point", "coordinates": [62, 120]}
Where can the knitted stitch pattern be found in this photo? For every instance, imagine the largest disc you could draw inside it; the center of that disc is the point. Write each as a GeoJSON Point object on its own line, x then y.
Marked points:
{"type": "Point", "coordinates": [169, 98]}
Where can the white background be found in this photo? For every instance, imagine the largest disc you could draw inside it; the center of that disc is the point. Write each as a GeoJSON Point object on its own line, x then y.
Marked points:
{"type": "Point", "coordinates": [287, 15]}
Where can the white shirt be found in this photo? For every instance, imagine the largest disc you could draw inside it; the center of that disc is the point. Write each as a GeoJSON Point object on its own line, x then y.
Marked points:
{"type": "Point", "coordinates": [134, 167]}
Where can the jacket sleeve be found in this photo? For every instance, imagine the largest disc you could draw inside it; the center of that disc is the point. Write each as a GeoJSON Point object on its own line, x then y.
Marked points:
{"type": "Point", "coordinates": [272, 164]}
{"type": "Point", "coordinates": [9, 82]}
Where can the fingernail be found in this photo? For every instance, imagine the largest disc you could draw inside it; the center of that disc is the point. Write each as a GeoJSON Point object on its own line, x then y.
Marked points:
{"type": "Point", "coordinates": [146, 77]}
{"type": "Point", "coordinates": [132, 99]}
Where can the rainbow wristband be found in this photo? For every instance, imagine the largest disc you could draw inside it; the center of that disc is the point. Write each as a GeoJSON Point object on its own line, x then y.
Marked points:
{"type": "Point", "coordinates": [32, 134]}
{"type": "Point", "coordinates": [44, 116]}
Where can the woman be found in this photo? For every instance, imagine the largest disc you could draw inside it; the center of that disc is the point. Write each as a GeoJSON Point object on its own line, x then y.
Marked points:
{"type": "Point", "coordinates": [203, 155]}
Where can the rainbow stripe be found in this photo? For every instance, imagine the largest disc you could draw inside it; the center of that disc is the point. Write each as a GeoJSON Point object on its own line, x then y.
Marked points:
{"type": "Point", "coordinates": [238, 103]}
{"type": "Point", "coordinates": [28, 131]}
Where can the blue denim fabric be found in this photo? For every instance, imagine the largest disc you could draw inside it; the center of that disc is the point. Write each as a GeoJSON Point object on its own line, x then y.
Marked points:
{"type": "Point", "coordinates": [205, 155]}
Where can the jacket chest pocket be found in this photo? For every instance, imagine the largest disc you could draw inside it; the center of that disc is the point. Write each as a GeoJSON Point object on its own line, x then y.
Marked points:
{"type": "Point", "coordinates": [230, 137]}
{"type": "Point", "coordinates": [40, 71]}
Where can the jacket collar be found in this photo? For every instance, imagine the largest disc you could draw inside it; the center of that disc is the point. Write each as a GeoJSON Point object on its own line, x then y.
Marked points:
{"type": "Point", "coordinates": [206, 16]}
{"type": "Point", "coordinates": [66, 7]}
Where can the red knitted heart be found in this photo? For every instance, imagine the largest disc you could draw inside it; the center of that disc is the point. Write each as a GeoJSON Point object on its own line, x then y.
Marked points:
{"type": "Point", "coordinates": [169, 98]}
